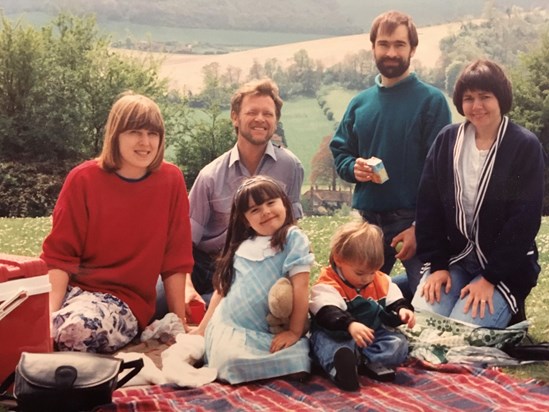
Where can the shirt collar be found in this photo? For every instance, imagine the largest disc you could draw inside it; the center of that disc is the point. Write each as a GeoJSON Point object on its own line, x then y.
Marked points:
{"type": "Point", "coordinates": [270, 151]}
{"type": "Point", "coordinates": [337, 270]}
{"type": "Point", "coordinates": [234, 156]}
{"type": "Point", "coordinates": [407, 79]}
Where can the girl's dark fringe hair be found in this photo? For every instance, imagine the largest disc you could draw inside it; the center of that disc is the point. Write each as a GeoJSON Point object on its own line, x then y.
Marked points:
{"type": "Point", "coordinates": [260, 189]}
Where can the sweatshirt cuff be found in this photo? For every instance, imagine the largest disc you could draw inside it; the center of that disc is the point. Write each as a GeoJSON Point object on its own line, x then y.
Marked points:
{"type": "Point", "coordinates": [438, 265]}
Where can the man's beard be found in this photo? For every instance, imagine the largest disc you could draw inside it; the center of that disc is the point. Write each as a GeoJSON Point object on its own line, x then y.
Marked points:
{"type": "Point", "coordinates": [392, 72]}
{"type": "Point", "coordinates": [247, 135]}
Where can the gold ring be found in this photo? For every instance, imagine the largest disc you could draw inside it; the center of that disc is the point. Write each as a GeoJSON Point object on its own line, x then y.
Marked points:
{"type": "Point", "coordinates": [482, 301]}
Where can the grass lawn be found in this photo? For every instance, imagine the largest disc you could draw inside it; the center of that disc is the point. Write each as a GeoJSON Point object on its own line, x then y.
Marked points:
{"type": "Point", "coordinates": [338, 99]}
{"type": "Point", "coordinates": [24, 236]}
{"type": "Point", "coordinates": [304, 126]}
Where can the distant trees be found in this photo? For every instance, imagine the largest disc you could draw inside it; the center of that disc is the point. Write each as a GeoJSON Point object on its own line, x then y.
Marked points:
{"type": "Point", "coordinates": [531, 97]}
{"type": "Point", "coordinates": [304, 76]}
{"type": "Point", "coordinates": [502, 36]}
{"type": "Point", "coordinates": [324, 171]}
{"type": "Point", "coordinates": [531, 90]}
{"type": "Point", "coordinates": [274, 70]}
{"type": "Point", "coordinates": [304, 16]}
{"type": "Point", "coordinates": [200, 138]}
{"type": "Point", "coordinates": [57, 85]}
{"type": "Point", "coordinates": [202, 130]}
{"type": "Point", "coordinates": [356, 71]}
{"type": "Point", "coordinates": [217, 87]}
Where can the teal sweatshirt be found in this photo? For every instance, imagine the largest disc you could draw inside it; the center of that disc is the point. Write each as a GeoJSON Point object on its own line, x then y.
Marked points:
{"type": "Point", "coordinates": [397, 124]}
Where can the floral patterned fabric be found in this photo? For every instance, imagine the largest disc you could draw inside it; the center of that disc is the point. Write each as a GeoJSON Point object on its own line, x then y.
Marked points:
{"type": "Point", "coordinates": [92, 322]}
{"type": "Point", "coordinates": [439, 339]}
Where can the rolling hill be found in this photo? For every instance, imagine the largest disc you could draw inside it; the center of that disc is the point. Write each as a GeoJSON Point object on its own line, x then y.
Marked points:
{"type": "Point", "coordinates": [304, 123]}
{"type": "Point", "coordinates": [184, 71]}
{"type": "Point", "coordinates": [328, 17]}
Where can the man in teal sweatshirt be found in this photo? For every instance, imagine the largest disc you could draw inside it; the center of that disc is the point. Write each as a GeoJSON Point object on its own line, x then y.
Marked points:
{"type": "Point", "coordinates": [396, 120]}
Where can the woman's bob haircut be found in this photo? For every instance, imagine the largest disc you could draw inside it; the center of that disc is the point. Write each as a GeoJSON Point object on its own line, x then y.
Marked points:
{"type": "Point", "coordinates": [131, 112]}
{"type": "Point", "coordinates": [484, 75]}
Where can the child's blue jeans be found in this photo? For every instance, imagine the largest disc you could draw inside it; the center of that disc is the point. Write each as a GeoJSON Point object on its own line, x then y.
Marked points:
{"type": "Point", "coordinates": [388, 348]}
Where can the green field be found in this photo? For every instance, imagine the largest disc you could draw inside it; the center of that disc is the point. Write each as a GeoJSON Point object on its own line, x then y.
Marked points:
{"type": "Point", "coordinates": [304, 125]}
{"type": "Point", "coordinates": [203, 40]}
{"type": "Point", "coordinates": [338, 99]}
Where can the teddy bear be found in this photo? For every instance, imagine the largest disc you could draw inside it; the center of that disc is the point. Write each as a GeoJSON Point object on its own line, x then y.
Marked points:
{"type": "Point", "coordinates": [281, 301]}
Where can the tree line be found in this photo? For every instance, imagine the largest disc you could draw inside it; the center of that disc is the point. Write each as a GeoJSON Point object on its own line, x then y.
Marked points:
{"type": "Point", "coordinates": [328, 17]}
{"type": "Point", "coordinates": [304, 16]}
{"type": "Point", "coordinates": [57, 84]}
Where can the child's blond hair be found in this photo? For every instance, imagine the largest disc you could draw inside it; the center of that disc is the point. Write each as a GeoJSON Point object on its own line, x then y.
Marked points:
{"type": "Point", "coordinates": [358, 243]}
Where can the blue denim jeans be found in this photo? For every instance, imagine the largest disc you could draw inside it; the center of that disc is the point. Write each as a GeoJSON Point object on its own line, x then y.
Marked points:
{"type": "Point", "coordinates": [392, 223]}
{"type": "Point", "coordinates": [450, 305]}
{"type": "Point", "coordinates": [388, 348]}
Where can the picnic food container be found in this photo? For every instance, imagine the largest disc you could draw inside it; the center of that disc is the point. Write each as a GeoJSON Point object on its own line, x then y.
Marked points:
{"type": "Point", "coordinates": [24, 309]}
{"type": "Point", "coordinates": [378, 168]}
{"type": "Point", "coordinates": [198, 309]}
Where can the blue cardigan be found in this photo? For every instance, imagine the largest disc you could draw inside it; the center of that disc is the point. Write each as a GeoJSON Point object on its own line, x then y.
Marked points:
{"type": "Point", "coordinates": [509, 214]}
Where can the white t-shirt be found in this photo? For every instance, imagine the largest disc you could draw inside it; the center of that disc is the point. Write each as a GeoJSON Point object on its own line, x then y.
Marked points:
{"type": "Point", "coordinates": [470, 167]}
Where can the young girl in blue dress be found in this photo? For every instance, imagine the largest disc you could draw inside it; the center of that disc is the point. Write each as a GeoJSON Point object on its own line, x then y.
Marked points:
{"type": "Point", "coordinates": [263, 244]}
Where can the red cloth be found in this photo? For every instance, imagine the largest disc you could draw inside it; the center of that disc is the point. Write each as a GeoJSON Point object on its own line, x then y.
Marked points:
{"type": "Point", "coordinates": [116, 236]}
{"type": "Point", "coordinates": [418, 387]}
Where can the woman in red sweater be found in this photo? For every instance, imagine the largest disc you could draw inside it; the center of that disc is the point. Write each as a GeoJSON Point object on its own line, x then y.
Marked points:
{"type": "Point", "coordinates": [120, 221]}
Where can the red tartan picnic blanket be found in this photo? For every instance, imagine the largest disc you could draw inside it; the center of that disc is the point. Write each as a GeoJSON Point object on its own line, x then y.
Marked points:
{"type": "Point", "coordinates": [419, 386]}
